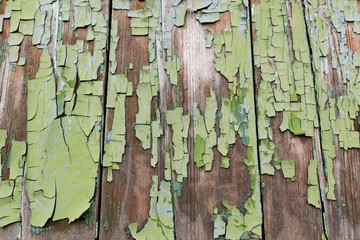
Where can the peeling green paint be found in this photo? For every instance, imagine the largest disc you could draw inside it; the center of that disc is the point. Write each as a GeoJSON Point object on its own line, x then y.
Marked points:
{"type": "Point", "coordinates": [205, 135]}
{"type": "Point", "coordinates": [313, 196]}
{"type": "Point", "coordinates": [172, 66]}
{"type": "Point", "coordinates": [287, 84]}
{"type": "Point", "coordinates": [74, 148]}
{"type": "Point", "coordinates": [157, 132]}
{"type": "Point", "coordinates": [180, 157]}
{"type": "Point", "coordinates": [238, 225]}
{"type": "Point", "coordinates": [219, 224]}
{"type": "Point", "coordinates": [288, 169]}
{"type": "Point", "coordinates": [118, 89]}
{"type": "Point", "coordinates": [53, 145]}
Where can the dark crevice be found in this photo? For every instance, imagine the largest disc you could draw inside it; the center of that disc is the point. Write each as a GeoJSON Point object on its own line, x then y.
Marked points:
{"type": "Point", "coordinates": [318, 114]}
{"type": "Point", "coordinates": [63, 135]}
{"type": "Point", "coordinates": [256, 121]}
{"type": "Point", "coordinates": [103, 121]}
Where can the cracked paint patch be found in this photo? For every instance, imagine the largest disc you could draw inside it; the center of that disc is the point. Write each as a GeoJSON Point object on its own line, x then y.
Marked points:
{"type": "Point", "coordinates": [147, 22]}
{"type": "Point", "coordinates": [64, 124]}
{"type": "Point", "coordinates": [118, 89]}
{"type": "Point", "coordinates": [63, 153]}
{"type": "Point", "coordinates": [237, 225]}
{"type": "Point", "coordinates": [157, 132]}
{"type": "Point", "coordinates": [313, 196]}
{"type": "Point", "coordinates": [204, 132]}
{"type": "Point", "coordinates": [288, 169]}
{"type": "Point", "coordinates": [160, 224]}
{"type": "Point", "coordinates": [282, 54]}
{"type": "Point", "coordinates": [219, 224]}
{"type": "Point", "coordinates": [174, 17]}
{"type": "Point", "coordinates": [180, 133]}
{"type": "Point", "coordinates": [27, 18]}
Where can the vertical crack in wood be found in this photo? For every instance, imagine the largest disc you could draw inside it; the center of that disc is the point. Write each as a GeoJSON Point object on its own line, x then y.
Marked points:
{"type": "Point", "coordinates": [256, 116]}
{"type": "Point", "coordinates": [102, 137]}
{"type": "Point", "coordinates": [318, 140]}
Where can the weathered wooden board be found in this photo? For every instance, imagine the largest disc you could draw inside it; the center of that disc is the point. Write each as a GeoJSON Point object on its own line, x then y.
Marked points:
{"type": "Point", "coordinates": [203, 190]}
{"type": "Point", "coordinates": [14, 80]}
{"type": "Point", "coordinates": [126, 199]}
{"type": "Point", "coordinates": [87, 226]}
{"type": "Point", "coordinates": [334, 36]}
{"type": "Point", "coordinates": [287, 214]}
{"type": "Point", "coordinates": [12, 105]}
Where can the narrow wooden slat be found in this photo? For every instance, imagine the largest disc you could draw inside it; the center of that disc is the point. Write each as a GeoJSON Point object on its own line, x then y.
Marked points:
{"type": "Point", "coordinates": [203, 190]}
{"type": "Point", "coordinates": [287, 214]}
{"type": "Point", "coordinates": [335, 39]}
{"type": "Point", "coordinates": [126, 199]}
{"type": "Point", "coordinates": [12, 108]}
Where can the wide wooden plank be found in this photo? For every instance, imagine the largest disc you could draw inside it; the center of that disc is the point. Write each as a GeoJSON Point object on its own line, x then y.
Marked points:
{"type": "Point", "coordinates": [70, 31]}
{"type": "Point", "coordinates": [182, 45]}
{"type": "Point", "coordinates": [286, 112]}
{"type": "Point", "coordinates": [335, 38]}
{"type": "Point", "coordinates": [51, 31]}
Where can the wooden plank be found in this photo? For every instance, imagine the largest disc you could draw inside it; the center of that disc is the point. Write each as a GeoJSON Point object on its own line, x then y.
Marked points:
{"type": "Point", "coordinates": [86, 226]}
{"type": "Point", "coordinates": [14, 80]}
{"type": "Point", "coordinates": [335, 46]}
{"type": "Point", "coordinates": [203, 190]}
{"type": "Point", "coordinates": [287, 214]}
{"type": "Point", "coordinates": [126, 199]}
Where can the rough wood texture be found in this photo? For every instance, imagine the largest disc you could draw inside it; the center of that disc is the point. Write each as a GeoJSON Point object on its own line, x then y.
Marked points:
{"type": "Point", "coordinates": [286, 211]}
{"type": "Point", "coordinates": [13, 84]}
